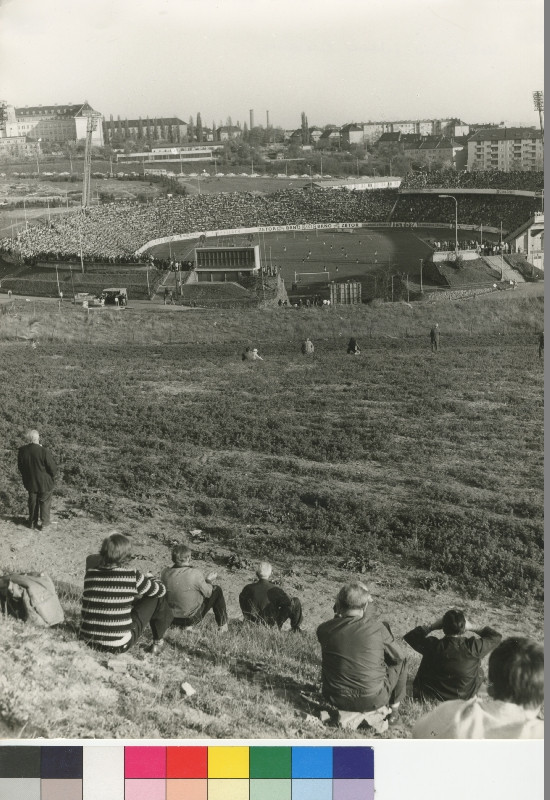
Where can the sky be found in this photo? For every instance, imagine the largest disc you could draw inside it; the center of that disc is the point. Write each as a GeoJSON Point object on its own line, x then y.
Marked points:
{"type": "Point", "coordinates": [337, 60]}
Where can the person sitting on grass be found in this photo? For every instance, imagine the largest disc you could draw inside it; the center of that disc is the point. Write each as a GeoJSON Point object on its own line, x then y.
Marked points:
{"type": "Point", "coordinates": [263, 602]}
{"type": "Point", "coordinates": [119, 601]}
{"type": "Point", "coordinates": [451, 666]}
{"type": "Point", "coordinates": [362, 668]}
{"type": "Point", "coordinates": [516, 694]}
{"type": "Point", "coordinates": [251, 355]}
{"type": "Point", "coordinates": [307, 347]}
{"type": "Point", "coordinates": [353, 347]}
{"type": "Point", "coordinates": [191, 595]}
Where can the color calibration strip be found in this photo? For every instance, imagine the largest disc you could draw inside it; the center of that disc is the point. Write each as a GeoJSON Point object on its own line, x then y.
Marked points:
{"type": "Point", "coordinates": [186, 773]}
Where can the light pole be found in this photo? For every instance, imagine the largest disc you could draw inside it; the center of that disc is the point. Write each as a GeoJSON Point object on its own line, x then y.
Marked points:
{"type": "Point", "coordinates": [37, 151]}
{"type": "Point", "coordinates": [456, 220]}
{"type": "Point", "coordinates": [538, 100]}
{"type": "Point", "coordinates": [421, 264]}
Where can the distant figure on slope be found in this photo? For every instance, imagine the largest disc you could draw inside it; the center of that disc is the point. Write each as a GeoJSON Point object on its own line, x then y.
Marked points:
{"type": "Point", "coordinates": [38, 470]}
{"type": "Point", "coordinates": [451, 666]}
{"type": "Point", "coordinates": [516, 694]}
{"type": "Point", "coordinates": [265, 603]}
{"type": "Point", "coordinates": [541, 345]}
{"type": "Point", "coordinates": [353, 347]}
{"type": "Point", "coordinates": [119, 601]}
{"type": "Point", "coordinates": [307, 347]}
{"type": "Point", "coordinates": [251, 355]}
{"type": "Point", "coordinates": [434, 338]}
{"type": "Point", "coordinates": [190, 595]}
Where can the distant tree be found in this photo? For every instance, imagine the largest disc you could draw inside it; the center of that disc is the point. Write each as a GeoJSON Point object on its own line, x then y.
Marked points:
{"type": "Point", "coordinates": [162, 129]}
{"type": "Point", "coordinates": [140, 130]}
{"type": "Point", "coordinates": [245, 133]}
{"type": "Point", "coordinates": [214, 137]}
{"type": "Point", "coordinates": [305, 129]}
{"type": "Point", "coordinates": [190, 130]}
{"type": "Point", "coordinates": [229, 122]}
{"type": "Point", "coordinates": [119, 127]}
{"type": "Point", "coordinates": [199, 127]}
{"type": "Point", "coordinates": [148, 129]}
{"type": "Point", "coordinates": [170, 133]}
{"type": "Point", "coordinates": [126, 129]}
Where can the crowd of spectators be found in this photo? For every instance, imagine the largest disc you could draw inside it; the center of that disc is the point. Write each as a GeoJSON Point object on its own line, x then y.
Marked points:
{"type": "Point", "coordinates": [482, 179]}
{"type": "Point", "coordinates": [112, 233]}
{"type": "Point", "coordinates": [477, 210]}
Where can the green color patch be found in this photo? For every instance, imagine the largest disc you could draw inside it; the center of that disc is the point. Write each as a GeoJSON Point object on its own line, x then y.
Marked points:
{"type": "Point", "coordinates": [270, 762]}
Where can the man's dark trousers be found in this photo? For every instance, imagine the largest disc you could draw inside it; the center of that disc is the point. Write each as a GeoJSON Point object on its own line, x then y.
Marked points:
{"type": "Point", "coordinates": [40, 504]}
{"type": "Point", "coordinates": [216, 602]}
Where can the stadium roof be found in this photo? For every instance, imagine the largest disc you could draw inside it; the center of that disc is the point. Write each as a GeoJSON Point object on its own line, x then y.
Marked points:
{"type": "Point", "coordinates": [496, 134]}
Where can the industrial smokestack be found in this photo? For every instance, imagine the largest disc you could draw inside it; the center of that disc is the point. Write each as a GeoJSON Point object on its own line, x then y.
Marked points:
{"type": "Point", "coordinates": [251, 118]}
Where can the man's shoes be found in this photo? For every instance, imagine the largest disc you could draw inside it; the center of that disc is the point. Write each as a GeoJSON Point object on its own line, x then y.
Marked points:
{"type": "Point", "coordinates": [394, 718]}
{"type": "Point", "coordinates": [157, 647]}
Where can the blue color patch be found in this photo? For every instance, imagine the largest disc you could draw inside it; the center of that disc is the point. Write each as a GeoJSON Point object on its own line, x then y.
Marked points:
{"type": "Point", "coordinates": [311, 762]}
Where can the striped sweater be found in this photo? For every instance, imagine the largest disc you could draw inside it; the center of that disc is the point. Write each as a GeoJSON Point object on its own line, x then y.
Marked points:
{"type": "Point", "coordinates": [109, 595]}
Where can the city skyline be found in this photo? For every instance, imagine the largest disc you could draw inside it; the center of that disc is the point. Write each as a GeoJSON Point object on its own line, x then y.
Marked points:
{"type": "Point", "coordinates": [353, 61]}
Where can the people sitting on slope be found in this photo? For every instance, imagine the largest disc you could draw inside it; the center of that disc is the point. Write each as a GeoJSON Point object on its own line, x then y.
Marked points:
{"type": "Point", "coordinates": [451, 666]}
{"type": "Point", "coordinates": [265, 603]}
{"type": "Point", "coordinates": [119, 601]}
{"type": "Point", "coordinates": [516, 694]}
{"type": "Point", "coordinates": [190, 595]}
{"type": "Point", "coordinates": [363, 668]}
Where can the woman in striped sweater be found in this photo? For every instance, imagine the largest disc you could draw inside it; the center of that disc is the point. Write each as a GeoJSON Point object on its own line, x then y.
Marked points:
{"type": "Point", "coordinates": [119, 601]}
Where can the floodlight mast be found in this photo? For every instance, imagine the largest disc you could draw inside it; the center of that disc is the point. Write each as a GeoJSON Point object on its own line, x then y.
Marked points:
{"type": "Point", "coordinates": [538, 102]}
{"type": "Point", "coordinates": [91, 124]}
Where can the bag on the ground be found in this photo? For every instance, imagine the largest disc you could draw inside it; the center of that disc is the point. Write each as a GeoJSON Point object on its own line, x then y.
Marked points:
{"type": "Point", "coordinates": [31, 597]}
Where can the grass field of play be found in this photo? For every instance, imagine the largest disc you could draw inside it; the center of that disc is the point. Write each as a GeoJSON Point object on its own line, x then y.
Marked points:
{"type": "Point", "coordinates": [334, 255]}
{"type": "Point", "coordinates": [420, 473]}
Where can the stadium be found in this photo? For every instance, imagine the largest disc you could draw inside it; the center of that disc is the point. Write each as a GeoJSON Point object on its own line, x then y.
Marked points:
{"type": "Point", "coordinates": [383, 239]}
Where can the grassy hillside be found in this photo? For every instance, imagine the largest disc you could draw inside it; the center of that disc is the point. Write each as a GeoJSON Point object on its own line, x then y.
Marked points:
{"type": "Point", "coordinates": [420, 473]}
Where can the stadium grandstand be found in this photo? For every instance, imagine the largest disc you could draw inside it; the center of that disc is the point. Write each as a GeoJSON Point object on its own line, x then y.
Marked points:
{"type": "Point", "coordinates": [118, 231]}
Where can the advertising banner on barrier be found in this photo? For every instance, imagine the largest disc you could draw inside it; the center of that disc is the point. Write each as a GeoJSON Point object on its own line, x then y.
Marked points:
{"type": "Point", "coordinates": [458, 190]}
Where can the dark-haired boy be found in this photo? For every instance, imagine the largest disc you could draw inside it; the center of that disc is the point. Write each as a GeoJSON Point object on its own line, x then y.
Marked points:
{"type": "Point", "coordinates": [451, 666]}
{"type": "Point", "coordinates": [516, 694]}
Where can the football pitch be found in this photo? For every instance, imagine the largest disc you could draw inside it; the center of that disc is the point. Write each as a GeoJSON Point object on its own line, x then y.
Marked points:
{"type": "Point", "coordinates": [313, 258]}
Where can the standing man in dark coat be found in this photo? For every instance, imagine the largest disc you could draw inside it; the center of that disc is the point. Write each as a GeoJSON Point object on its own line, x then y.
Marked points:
{"type": "Point", "coordinates": [38, 470]}
{"type": "Point", "coordinates": [434, 338]}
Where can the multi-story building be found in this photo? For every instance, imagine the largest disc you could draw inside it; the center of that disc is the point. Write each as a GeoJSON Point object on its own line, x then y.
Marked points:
{"type": "Point", "coordinates": [169, 129]}
{"type": "Point", "coordinates": [506, 149]}
{"type": "Point", "coordinates": [17, 147]}
{"type": "Point", "coordinates": [437, 150]}
{"type": "Point", "coordinates": [56, 123]}
{"type": "Point", "coordinates": [451, 128]}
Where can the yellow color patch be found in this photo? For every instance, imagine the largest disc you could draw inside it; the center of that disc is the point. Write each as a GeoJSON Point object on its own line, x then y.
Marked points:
{"type": "Point", "coordinates": [228, 762]}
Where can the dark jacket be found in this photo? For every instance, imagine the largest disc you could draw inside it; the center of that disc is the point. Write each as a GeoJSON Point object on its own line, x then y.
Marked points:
{"type": "Point", "coordinates": [451, 667]}
{"type": "Point", "coordinates": [353, 652]}
{"type": "Point", "coordinates": [37, 467]}
{"type": "Point", "coordinates": [262, 601]}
